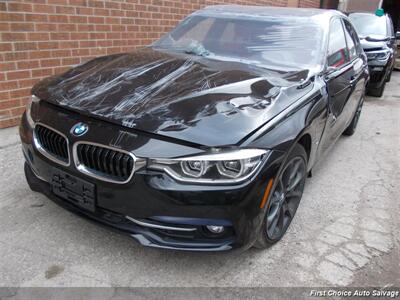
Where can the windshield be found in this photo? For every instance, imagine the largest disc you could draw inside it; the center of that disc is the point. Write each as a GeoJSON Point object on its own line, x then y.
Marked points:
{"type": "Point", "coordinates": [367, 24]}
{"type": "Point", "coordinates": [291, 42]}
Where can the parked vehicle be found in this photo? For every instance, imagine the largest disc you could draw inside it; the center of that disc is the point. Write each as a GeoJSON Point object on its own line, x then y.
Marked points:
{"type": "Point", "coordinates": [397, 62]}
{"type": "Point", "coordinates": [203, 140]}
{"type": "Point", "coordinates": [379, 42]}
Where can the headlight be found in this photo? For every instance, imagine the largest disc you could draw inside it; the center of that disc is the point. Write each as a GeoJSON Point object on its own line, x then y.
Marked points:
{"type": "Point", "coordinates": [381, 55]}
{"type": "Point", "coordinates": [217, 167]}
{"type": "Point", "coordinates": [29, 105]}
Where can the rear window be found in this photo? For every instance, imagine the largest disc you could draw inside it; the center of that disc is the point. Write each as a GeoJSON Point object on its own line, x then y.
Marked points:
{"type": "Point", "coordinates": [293, 42]}
{"type": "Point", "coordinates": [368, 24]}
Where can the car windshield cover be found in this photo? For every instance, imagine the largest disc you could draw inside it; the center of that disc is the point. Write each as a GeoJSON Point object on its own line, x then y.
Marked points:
{"type": "Point", "coordinates": [292, 42]}
{"type": "Point", "coordinates": [367, 24]}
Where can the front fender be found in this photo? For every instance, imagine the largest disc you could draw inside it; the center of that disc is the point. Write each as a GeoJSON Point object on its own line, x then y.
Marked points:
{"type": "Point", "coordinates": [308, 118]}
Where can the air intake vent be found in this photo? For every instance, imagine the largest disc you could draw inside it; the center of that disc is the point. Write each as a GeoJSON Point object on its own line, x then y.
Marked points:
{"type": "Point", "coordinates": [51, 144]}
{"type": "Point", "coordinates": [373, 49]}
{"type": "Point", "coordinates": [104, 163]}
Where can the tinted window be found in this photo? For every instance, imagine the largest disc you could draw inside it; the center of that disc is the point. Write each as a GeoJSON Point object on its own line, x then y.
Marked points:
{"type": "Point", "coordinates": [284, 41]}
{"type": "Point", "coordinates": [352, 40]}
{"type": "Point", "coordinates": [198, 32]}
{"type": "Point", "coordinates": [337, 50]}
{"type": "Point", "coordinates": [369, 24]}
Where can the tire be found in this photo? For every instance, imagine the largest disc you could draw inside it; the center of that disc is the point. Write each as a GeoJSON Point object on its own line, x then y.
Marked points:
{"type": "Point", "coordinates": [378, 92]}
{"type": "Point", "coordinates": [353, 125]}
{"type": "Point", "coordinates": [284, 198]}
{"type": "Point", "coordinates": [389, 76]}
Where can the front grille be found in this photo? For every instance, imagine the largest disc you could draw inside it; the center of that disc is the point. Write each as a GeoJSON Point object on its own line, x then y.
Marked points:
{"type": "Point", "coordinates": [373, 49]}
{"type": "Point", "coordinates": [52, 143]}
{"type": "Point", "coordinates": [104, 163]}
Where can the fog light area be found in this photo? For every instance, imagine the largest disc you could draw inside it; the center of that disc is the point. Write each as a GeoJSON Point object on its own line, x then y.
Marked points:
{"type": "Point", "coordinates": [215, 229]}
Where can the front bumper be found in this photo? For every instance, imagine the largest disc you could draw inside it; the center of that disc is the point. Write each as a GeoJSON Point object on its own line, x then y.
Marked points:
{"type": "Point", "coordinates": [378, 70]}
{"type": "Point", "coordinates": [155, 198]}
{"type": "Point", "coordinates": [146, 236]}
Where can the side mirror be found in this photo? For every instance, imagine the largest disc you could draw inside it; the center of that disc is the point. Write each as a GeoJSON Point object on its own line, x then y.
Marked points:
{"type": "Point", "coordinates": [398, 35]}
{"type": "Point", "coordinates": [329, 72]}
{"type": "Point", "coordinates": [331, 69]}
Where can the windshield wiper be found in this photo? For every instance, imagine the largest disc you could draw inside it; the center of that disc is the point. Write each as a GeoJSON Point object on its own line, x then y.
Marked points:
{"type": "Point", "coordinates": [197, 52]}
{"type": "Point", "coordinates": [196, 48]}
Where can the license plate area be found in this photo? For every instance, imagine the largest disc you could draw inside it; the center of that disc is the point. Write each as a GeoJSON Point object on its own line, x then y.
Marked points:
{"type": "Point", "coordinates": [74, 189]}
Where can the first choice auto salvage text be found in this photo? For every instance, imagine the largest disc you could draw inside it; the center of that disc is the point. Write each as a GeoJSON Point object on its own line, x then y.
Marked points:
{"type": "Point", "coordinates": [355, 293]}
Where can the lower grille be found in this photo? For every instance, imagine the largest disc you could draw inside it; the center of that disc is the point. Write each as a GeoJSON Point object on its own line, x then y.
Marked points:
{"type": "Point", "coordinates": [375, 76]}
{"type": "Point", "coordinates": [104, 163]}
{"type": "Point", "coordinates": [51, 144]}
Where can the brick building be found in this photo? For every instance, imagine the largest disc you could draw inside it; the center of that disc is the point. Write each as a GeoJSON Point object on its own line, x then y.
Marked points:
{"type": "Point", "coordinates": [40, 38]}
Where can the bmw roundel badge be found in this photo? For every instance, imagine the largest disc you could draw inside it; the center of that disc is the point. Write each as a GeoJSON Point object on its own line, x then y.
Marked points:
{"type": "Point", "coordinates": [79, 129]}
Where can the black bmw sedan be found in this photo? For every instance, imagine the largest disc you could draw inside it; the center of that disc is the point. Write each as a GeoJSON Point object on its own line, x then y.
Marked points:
{"type": "Point", "coordinates": [203, 140]}
{"type": "Point", "coordinates": [379, 42]}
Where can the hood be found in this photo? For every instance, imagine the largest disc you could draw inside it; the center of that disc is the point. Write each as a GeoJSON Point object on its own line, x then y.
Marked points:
{"type": "Point", "coordinates": [181, 96]}
{"type": "Point", "coordinates": [373, 45]}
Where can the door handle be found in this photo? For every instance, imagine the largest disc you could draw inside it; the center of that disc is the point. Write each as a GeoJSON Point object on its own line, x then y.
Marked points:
{"type": "Point", "coordinates": [353, 80]}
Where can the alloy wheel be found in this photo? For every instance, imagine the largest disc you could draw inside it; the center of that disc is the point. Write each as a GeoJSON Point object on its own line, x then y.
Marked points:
{"type": "Point", "coordinates": [285, 198]}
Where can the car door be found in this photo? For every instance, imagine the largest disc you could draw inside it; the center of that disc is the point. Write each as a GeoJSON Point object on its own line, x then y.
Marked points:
{"type": "Point", "coordinates": [359, 65]}
{"type": "Point", "coordinates": [339, 78]}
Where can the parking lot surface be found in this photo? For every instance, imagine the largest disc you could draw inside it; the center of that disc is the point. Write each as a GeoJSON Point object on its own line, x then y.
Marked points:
{"type": "Point", "coordinates": [346, 231]}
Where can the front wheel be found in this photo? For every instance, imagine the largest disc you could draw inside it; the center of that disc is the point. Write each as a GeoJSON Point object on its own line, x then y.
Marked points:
{"type": "Point", "coordinates": [377, 92]}
{"type": "Point", "coordinates": [284, 199]}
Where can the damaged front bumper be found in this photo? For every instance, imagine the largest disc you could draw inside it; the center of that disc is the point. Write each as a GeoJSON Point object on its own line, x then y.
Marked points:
{"type": "Point", "coordinates": [144, 233]}
{"type": "Point", "coordinates": [152, 207]}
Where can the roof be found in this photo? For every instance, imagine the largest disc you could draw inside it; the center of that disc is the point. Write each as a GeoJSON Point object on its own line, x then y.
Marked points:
{"type": "Point", "coordinates": [267, 11]}
{"type": "Point", "coordinates": [365, 13]}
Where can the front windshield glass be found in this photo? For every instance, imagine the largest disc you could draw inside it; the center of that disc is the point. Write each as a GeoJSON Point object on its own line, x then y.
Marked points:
{"type": "Point", "coordinates": [292, 42]}
{"type": "Point", "coordinates": [368, 24]}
